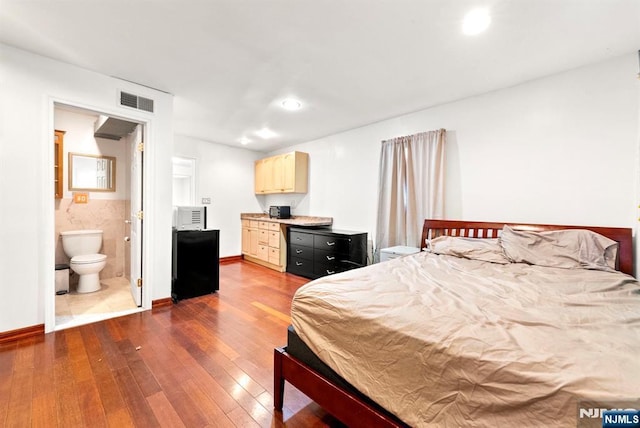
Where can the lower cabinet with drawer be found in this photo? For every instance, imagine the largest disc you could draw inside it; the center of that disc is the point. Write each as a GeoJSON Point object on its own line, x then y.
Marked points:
{"type": "Point", "coordinates": [263, 243]}
{"type": "Point", "coordinates": [314, 253]}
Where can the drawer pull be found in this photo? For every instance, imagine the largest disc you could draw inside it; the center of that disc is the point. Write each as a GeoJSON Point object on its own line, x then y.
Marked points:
{"type": "Point", "coordinates": [331, 258]}
{"type": "Point", "coordinates": [331, 244]}
{"type": "Point", "coordinates": [298, 238]}
{"type": "Point", "coordinates": [330, 272]}
{"type": "Point", "coordinates": [298, 251]}
{"type": "Point", "coordinates": [298, 263]}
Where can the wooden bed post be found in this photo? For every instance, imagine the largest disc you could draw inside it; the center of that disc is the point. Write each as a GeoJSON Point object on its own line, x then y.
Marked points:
{"type": "Point", "coordinates": [278, 380]}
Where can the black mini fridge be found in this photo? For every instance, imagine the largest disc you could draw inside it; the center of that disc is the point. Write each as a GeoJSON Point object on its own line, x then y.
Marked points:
{"type": "Point", "coordinates": [195, 269]}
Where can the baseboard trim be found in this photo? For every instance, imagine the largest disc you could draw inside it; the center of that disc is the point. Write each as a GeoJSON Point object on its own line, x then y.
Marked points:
{"type": "Point", "coordinates": [230, 259]}
{"type": "Point", "coordinates": [161, 303]}
{"type": "Point", "coordinates": [263, 263]}
{"type": "Point", "coordinates": [22, 333]}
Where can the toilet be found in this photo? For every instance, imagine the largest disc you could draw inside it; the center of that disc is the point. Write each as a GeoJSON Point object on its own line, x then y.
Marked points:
{"type": "Point", "coordinates": [82, 247]}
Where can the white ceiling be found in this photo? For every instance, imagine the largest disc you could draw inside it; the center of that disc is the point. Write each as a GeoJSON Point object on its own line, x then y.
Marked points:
{"type": "Point", "coordinates": [229, 63]}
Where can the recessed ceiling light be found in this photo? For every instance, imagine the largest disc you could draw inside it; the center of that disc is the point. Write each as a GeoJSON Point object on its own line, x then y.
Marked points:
{"type": "Point", "coordinates": [475, 22]}
{"type": "Point", "coordinates": [291, 104]}
{"type": "Point", "coordinates": [266, 133]}
{"type": "Point", "coordinates": [244, 141]}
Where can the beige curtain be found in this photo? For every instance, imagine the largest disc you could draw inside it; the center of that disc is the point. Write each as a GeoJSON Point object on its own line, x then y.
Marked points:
{"type": "Point", "coordinates": [410, 189]}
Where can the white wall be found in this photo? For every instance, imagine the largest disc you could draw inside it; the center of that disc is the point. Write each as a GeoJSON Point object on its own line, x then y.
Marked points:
{"type": "Point", "coordinates": [561, 149]}
{"type": "Point", "coordinates": [30, 86]}
{"type": "Point", "coordinates": [224, 174]}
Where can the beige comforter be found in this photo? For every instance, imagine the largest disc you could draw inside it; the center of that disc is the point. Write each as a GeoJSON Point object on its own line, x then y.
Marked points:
{"type": "Point", "coordinates": [446, 341]}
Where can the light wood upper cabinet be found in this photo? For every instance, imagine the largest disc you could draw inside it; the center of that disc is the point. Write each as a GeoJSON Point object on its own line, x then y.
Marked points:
{"type": "Point", "coordinates": [286, 173]}
{"type": "Point", "coordinates": [259, 178]}
{"type": "Point", "coordinates": [58, 163]}
{"type": "Point", "coordinates": [278, 172]}
{"type": "Point", "coordinates": [268, 166]}
{"type": "Point", "coordinates": [264, 175]}
{"type": "Point", "coordinates": [290, 165]}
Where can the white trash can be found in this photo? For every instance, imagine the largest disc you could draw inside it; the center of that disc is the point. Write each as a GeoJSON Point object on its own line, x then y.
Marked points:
{"type": "Point", "coordinates": [62, 279]}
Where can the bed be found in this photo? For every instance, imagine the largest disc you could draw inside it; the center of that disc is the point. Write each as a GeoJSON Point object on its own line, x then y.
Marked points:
{"type": "Point", "coordinates": [457, 336]}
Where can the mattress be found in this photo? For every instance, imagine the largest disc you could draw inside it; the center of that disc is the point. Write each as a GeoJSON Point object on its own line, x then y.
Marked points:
{"type": "Point", "coordinates": [298, 349]}
{"type": "Point", "coordinates": [439, 340]}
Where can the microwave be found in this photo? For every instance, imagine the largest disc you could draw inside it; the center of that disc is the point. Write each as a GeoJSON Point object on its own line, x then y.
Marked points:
{"type": "Point", "coordinates": [279, 211]}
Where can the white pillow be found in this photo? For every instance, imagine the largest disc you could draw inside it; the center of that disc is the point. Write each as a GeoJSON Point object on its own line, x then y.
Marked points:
{"type": "Point", "coordinates": [568, 248]}
{"type": "Point", "coordinates": [483, 249]}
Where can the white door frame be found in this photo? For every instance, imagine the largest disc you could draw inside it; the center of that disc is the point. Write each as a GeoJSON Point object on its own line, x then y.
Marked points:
{"type": "Point", "coordinates": [48, 211]}
{"type": "Point", "coordinates": [192, 166]}
{"type": "Point", "coordinates": [136, 168]}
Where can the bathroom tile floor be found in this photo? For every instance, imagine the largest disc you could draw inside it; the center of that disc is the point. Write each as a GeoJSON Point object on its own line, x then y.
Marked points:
{"type": "Point", "coordinates": [113, 299]}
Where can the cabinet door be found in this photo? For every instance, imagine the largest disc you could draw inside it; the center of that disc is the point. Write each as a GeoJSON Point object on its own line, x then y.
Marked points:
{"type": "Point", "coordinates": [278, 173]}
{"type": "Point", "coordinates": [284, 172]}
{"type": "Point", "coordinates": [246, 240]}
{"type": "Point", "coordinates": [289, 172]}
{"type": "Point", "coordinates": [196, 255]}
{"type": "Point", "coordinates": [274, 256]}
{"type": "Point", "coordinates": [267, 173]}
{"type": "Point", "coordinates": [253, 242]}
{"type": "Point", "coordinates": [264, 175]}
{"type": "Point", "coordinates": [263, 252]}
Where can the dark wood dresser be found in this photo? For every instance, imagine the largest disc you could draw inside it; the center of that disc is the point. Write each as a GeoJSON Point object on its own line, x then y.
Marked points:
{"type": "Point", "coordinates": [313, 253]}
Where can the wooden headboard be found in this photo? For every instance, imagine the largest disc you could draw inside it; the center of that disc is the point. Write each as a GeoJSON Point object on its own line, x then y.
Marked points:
{"type": "Point", "coordinates": [484, 229]}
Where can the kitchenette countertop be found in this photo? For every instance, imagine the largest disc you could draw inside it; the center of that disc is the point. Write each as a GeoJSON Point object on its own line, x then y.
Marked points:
{"type": "Point", "coordinates": [296, 220]}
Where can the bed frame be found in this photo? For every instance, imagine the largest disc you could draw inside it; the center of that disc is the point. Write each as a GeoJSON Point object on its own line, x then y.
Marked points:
{"type": "Point", "coordinates": [351, 407]}
{"type": "Point", "coordinates": [480, 229]}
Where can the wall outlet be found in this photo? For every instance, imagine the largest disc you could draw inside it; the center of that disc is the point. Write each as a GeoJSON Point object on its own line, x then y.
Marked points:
{"type": "Point", "coordinates": [80, 198]}
{"type": "Point", "coordinates": [206, 200]}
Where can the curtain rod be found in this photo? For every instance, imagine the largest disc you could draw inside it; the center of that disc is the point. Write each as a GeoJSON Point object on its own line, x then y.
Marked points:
{"type": "Point", "coordinates": [411, 135]}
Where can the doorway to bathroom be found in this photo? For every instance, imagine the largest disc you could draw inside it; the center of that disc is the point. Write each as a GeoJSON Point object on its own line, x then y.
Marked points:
{"type": "Point", "coordinates": [99, 173]}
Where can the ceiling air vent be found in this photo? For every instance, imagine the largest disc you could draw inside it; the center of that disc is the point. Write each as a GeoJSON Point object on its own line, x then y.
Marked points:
{"type": "Point", "coordinates": [145, 104]}
{"type": "Point", "coordinates": [134, 101]}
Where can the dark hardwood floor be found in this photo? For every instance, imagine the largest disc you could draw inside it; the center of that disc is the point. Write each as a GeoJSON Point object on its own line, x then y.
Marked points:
{"type": "Point", "coordinates": [206, 361]}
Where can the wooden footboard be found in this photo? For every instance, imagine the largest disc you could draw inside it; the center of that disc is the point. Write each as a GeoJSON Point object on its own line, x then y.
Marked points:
{"type": "Point", "coordinates": [346, 406]}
